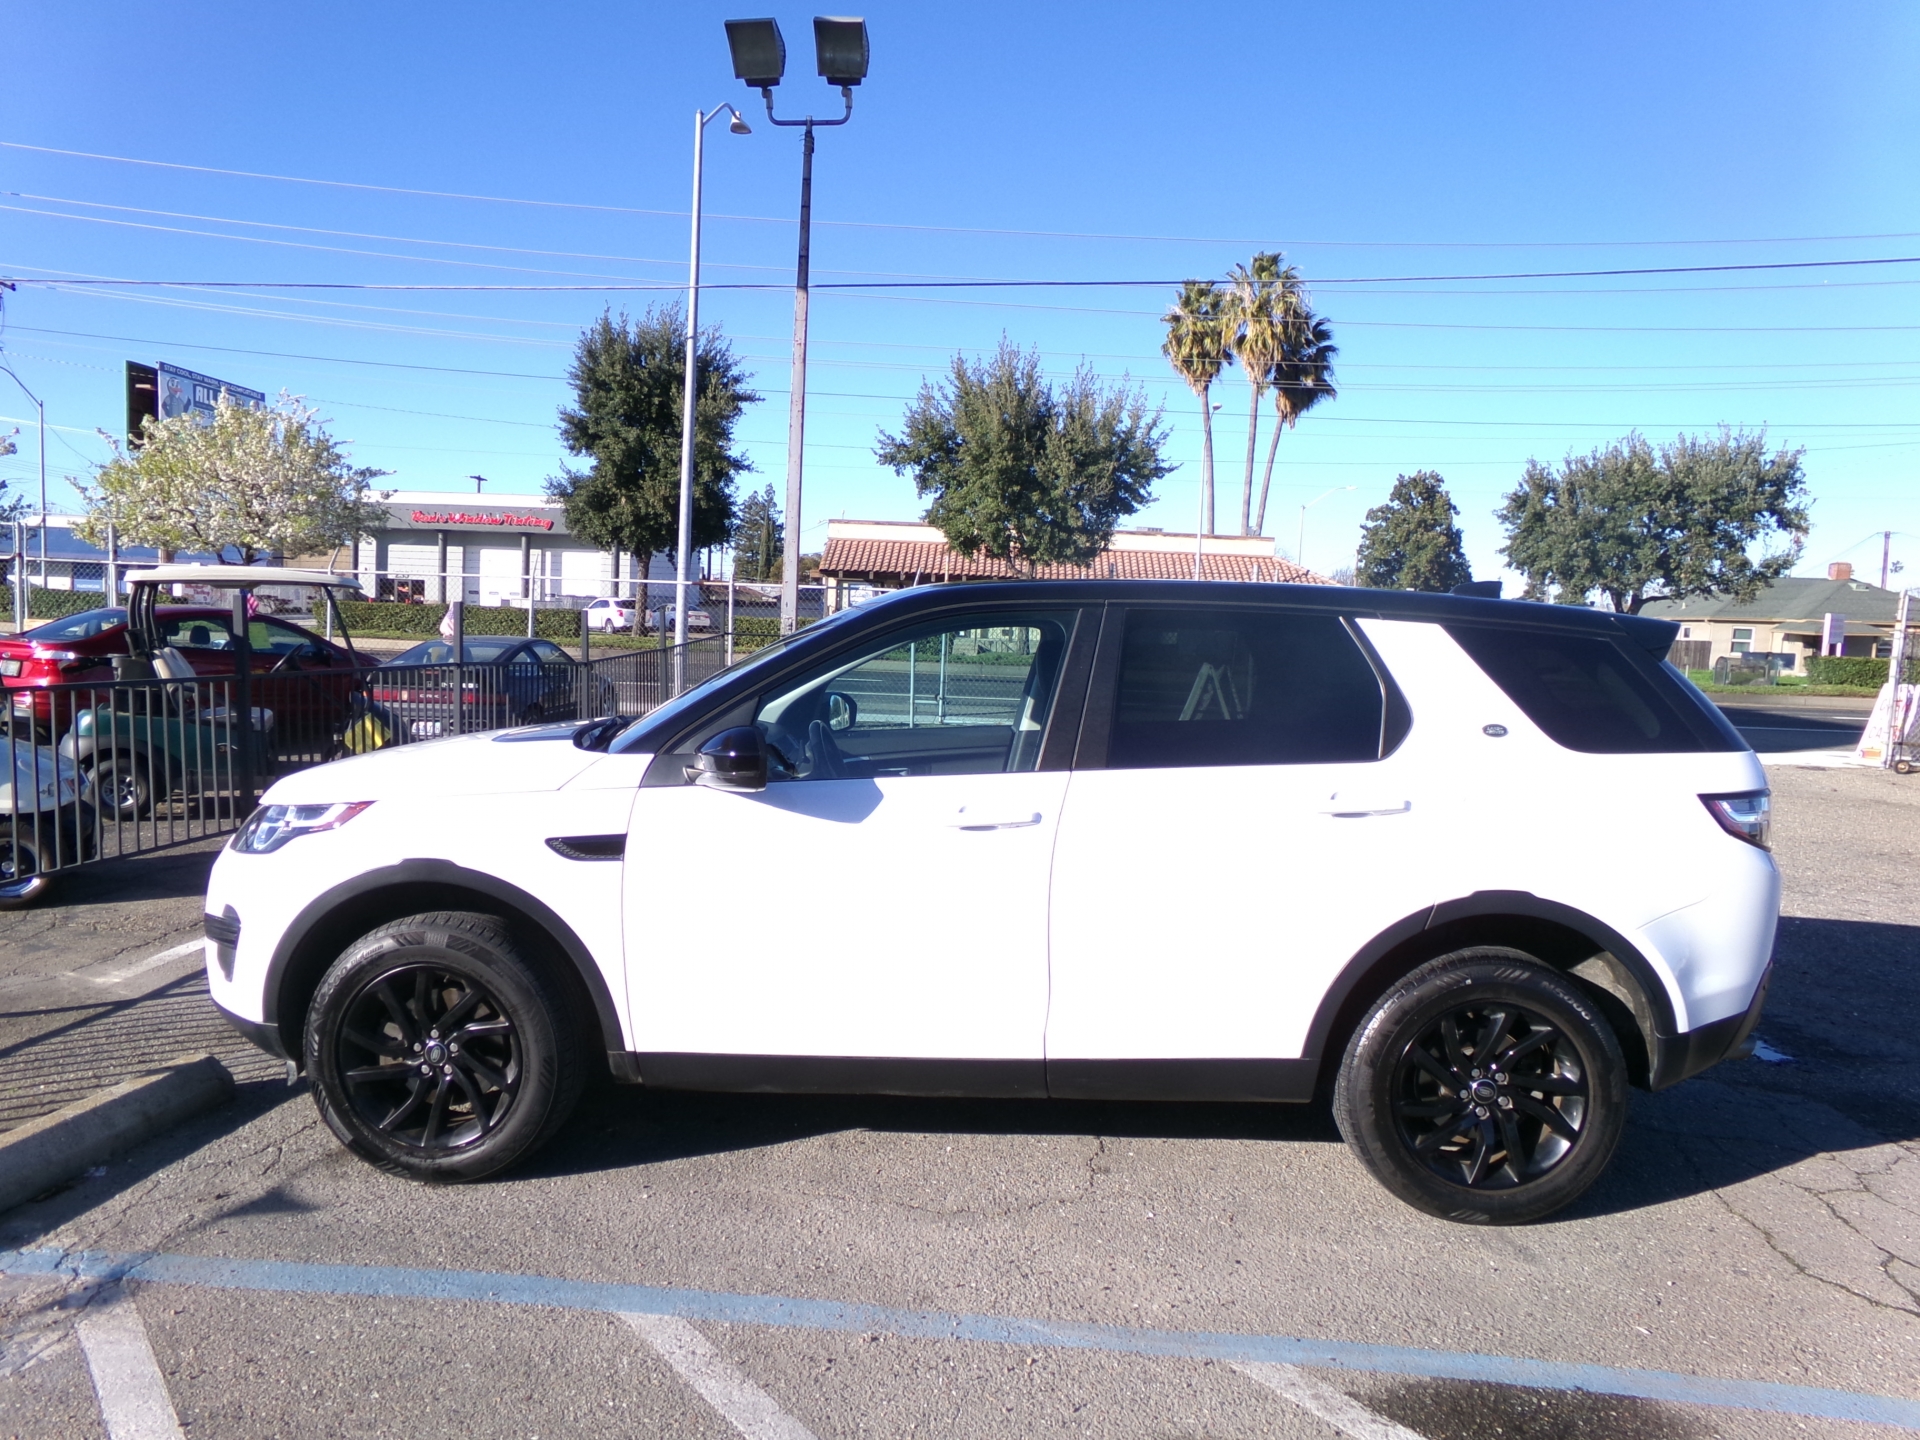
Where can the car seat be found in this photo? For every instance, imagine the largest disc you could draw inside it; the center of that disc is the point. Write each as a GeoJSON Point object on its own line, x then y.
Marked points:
{"type": "Point", "coordinates": [199, 637]}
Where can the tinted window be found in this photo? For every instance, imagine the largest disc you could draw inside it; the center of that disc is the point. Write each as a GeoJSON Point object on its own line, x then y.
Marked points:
{"type": "Point", "coordinates": [439, 652]}
{"type": "Point", "coordinates": [550, 654]}
{"type": "Point", "coordinates": [84, 626]}
{"type": "Point", "coordinates": [1587, 692]}
{"type": "Point", "coordinates": [1242, 687]}
{"type": "Point", "coordinates": [960, 696]}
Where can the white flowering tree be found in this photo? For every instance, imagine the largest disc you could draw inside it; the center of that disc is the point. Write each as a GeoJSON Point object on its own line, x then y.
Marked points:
{"type": "Point", "coordinates": [242, 485]}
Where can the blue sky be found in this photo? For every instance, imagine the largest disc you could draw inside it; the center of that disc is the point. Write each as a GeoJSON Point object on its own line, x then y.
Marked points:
{"type": "Point", "coordinates": [996, 140]}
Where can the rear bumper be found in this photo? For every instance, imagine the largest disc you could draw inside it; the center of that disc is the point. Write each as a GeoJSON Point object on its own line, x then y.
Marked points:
{"type": "Point", "coordinates": [1678, 1057]}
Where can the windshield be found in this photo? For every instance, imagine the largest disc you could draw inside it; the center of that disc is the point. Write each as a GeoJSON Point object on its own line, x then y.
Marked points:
{"type": "Point", "coordinates": [669, 713]}
{"type": "Point", "coordinates": [440, 652]}
{"type": "Point", "coordinates": [84, 626]}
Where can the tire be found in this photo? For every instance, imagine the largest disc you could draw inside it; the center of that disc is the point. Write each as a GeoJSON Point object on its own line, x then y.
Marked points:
{"type": "Point", "coordinates": [21, 884]}
{"type": "Point", "coordinates": [121, 785]}
{"type": "Point", "coordinates": [1504, 1147]}
{"type": "Point", "coordinates": [489, 1107]}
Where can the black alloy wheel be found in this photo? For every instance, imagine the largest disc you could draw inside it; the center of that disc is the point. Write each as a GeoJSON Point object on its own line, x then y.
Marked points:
{"type": "Point", "coordinates": [1485, 1087]}
{"type": "Point", "coordinates": [21, 883]}
{"type": "Point", "coordinates": [438, 1050]}
{"type": "Point", "coordinates": [429, 1057]}
{"type": "Point", "coordinates": [1490, 1095]}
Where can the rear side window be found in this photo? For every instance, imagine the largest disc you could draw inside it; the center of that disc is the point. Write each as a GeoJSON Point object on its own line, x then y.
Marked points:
{"type": "Point", "coordinates": [84, 626]}
{"type": "Point", "coordinates": [1242, 687]}
{"type": "Point", "coordinates": [1588, 692]}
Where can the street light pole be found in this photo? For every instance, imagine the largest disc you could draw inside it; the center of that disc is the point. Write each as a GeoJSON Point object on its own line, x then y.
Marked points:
{"type": "Point", "coordinates": [39, 406]}
{"type": "Point", "coordinates": [760, 59]}
{"type": "Point", "coordinates": [689, 398]}
{"type": "Point", "coordinates": [1300, 549]}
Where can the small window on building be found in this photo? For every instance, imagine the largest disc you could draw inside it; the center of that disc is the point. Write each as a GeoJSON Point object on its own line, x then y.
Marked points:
{"type": "Point", "coordinates": [1742, 639]}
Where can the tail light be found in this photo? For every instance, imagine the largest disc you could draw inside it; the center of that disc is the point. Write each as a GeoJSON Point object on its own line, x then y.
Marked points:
{"type": "Point", "coordinates": [1748, 815]}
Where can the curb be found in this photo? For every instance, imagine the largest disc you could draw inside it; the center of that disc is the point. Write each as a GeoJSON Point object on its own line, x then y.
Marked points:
{"type": "Point", "coordinates": [55, 1148]}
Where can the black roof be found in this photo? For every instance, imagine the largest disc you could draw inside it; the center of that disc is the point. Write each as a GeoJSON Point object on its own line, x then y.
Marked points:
{"type": "Point", "coordinates": [1645, 631]}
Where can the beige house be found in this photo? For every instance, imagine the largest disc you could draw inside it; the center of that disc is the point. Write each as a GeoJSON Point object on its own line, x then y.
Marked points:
{"type": "Point", "coordinates": [1787, 618]}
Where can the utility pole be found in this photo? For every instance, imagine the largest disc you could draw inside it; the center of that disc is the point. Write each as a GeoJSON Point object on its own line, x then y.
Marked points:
{"type": "Point", "coordinates": [1886, 554]}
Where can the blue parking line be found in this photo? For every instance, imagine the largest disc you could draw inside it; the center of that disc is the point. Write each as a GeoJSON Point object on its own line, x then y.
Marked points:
{"type": "Point", "coordinates": [487, 1288]}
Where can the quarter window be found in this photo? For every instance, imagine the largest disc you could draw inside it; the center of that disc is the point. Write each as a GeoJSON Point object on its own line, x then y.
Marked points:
{"type": "Point", "coordinates": [960, 696]}
{"type": "Point", "coordinates": [1242, 687]}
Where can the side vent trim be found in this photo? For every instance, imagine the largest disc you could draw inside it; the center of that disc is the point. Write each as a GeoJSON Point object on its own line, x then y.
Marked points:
{"type": "Point", "coordinates": [589, 847]}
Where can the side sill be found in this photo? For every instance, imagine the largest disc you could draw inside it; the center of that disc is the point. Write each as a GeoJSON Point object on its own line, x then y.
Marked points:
{"type": "Point", "coordinates": [840, 1075]}
{"type": "Point", "coordinates": [1264, 1081]}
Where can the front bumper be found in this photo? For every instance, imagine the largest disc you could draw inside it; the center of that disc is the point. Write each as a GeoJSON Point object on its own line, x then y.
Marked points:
{"type": "Point", "coordinates": [259, 1032]}
{"type": "Point", "coordinates": [1678, 1057]}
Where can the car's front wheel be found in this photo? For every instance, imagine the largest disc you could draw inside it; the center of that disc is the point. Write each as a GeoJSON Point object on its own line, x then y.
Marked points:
{"type": "Point", "coordinates": [1483, 1088]}
{"type": "Point", "coordinates": [438, 1051]}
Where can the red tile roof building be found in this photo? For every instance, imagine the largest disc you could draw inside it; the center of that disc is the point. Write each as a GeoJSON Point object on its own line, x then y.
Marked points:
{"type": "Point", "coordinates": [890, 554]}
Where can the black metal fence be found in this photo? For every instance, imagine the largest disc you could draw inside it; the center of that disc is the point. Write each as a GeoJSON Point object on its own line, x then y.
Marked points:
{"type": "Point", "coordinates": [105, 770]}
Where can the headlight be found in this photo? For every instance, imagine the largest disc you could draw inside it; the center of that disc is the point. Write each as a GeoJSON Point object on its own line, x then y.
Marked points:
{"type": "Point", "coordinates": [272, 826]}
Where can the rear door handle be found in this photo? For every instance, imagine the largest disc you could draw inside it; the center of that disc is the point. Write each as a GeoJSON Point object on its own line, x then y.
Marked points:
{"type": "Point", "coordinates": [1354, 807]}
{"type": "Point", "coordinates": [967, 818]}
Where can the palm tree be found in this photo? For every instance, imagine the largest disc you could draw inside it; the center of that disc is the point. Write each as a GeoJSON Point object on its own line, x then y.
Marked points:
{"type": "Point", "coordinates": [1302, 378]}
{"type": "Point", "coordinates": [1197, 348]}
{"type": "Point", "coordinates": [1258, 316]}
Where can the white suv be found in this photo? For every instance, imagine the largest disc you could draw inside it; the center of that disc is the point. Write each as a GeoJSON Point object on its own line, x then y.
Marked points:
{"type": "Point", "coordinates": [1466, 867]}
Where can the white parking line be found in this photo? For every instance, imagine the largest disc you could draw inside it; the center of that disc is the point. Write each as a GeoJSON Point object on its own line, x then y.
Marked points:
{"type": "Point", "coordinates": [743, 1404]}
{"type": "Point", "coordinates": [1336, 1407]}
{"type": "Point", "coordinates": [134, 1404]}
{"type": "Point", "coordinates": [152, 962]}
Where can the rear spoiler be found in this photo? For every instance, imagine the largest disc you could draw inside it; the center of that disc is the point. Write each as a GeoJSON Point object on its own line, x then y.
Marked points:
{"type": "Point", "coordinates": [1655, 637]}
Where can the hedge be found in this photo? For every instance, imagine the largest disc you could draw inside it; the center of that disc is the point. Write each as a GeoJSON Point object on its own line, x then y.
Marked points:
{"type": "Point", "coordinates": [1855, 670]}
{"type": "Point", "coordinates": [52, 604]}
{"type": "Point", "coordinates": [390, 617]}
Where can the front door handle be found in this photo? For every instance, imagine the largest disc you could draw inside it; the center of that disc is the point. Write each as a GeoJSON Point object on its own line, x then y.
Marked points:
{"type": "Point", "coordinates": [968, 818]}
{"type": "Point", "coordinates": [1354, 807]}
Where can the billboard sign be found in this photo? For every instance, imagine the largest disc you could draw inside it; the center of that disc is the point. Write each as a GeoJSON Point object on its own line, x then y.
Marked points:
{"type": "Point", "coordinates": [163, 390]}
{"type": "Point", "coordinates": [186, 391]}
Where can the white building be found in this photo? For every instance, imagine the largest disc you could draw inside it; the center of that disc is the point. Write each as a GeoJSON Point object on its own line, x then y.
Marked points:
{"type": "Point", "coordinates": [491, 550]}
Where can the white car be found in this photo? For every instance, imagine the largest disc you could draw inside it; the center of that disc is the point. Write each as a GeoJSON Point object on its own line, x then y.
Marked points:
{"type": "Point", "coordinates": [1469, 868]}
{"type": "Point", "coordinates": [604, 614]}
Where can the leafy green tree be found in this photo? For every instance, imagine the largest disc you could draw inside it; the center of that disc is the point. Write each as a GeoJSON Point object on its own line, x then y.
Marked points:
{"type": "Point", "coordinates": [757, 539]}
{"type": "Point", "coordinates": [628, 377]}
{"type": "Point", "coordinates": [1022, 471]}
{"type": "Point", "coordinates": [1635, 523]}
{"type": "Point", "coordinates": [255, 482]}
{"type": "Point", "coordinates": [1197, 347]}
{"type": "Point", "coordinates": [1411, 542]}
{"type": "Point", "coordinates": [1302, 378]}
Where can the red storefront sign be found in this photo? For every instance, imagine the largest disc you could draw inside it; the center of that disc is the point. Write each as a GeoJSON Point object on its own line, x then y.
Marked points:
{"type": "Point", "coordinates": [465, 518]}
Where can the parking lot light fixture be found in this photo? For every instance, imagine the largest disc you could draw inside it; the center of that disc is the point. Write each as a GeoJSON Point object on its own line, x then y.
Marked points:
{"type": "Point", "coordinates": [689, 395]}
{"type": "Point", "coordinates": [760, 59]}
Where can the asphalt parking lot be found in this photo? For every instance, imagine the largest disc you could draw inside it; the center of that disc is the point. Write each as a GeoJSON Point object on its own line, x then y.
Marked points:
{"type": "Point", "coordinates": [713, 1266]}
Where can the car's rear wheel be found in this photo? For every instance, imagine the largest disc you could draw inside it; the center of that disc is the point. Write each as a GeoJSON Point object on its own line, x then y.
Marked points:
{"type": "Point", "coordinates": [1483, 1088]}
{"type": "Point", "coordinates": [438, 1051]}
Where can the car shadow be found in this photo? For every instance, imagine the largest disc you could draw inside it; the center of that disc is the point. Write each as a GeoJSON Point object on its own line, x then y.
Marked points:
{"type": "Point", "coordinates": [1842, 1005]}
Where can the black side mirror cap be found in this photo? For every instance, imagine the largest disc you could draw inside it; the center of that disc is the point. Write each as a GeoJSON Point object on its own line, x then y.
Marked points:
{"type": "Point", "coordinates": [734, 759]}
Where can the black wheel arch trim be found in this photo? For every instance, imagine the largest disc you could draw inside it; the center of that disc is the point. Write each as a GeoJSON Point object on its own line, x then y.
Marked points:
{"type": "Point", "coordinates": [445, 875]}
{"type": "Point", "coordinates": [1491, 904]}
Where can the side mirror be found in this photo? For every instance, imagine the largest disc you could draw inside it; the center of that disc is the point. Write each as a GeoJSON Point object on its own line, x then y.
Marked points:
{"type": "Point", "coordinates": [842, 711]}
{"type": "Point", "coordinates": [734, 759]}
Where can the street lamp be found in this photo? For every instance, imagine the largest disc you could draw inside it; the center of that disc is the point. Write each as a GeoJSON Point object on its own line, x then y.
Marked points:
{"type": "Point", "coordinates": [39, 406]}
{"type": "Point", "coordinates": [683, 554]}
{"type": "Point", "coordinates": [760, 59]}
{"type": "Point", "coordinates": [1299, 551]}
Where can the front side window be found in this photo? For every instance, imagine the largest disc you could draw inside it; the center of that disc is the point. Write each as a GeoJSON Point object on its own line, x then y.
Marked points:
{"type": "Point", "coordinates": [960, 696]}
{"type": "Point", "coordinates": [1242, 687]}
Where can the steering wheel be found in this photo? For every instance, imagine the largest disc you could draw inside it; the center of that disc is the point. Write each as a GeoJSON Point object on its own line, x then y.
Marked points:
{"type": "Point", "coordinates": [288, 661]}
{"type": "Point", "coordinates": [828, 763]}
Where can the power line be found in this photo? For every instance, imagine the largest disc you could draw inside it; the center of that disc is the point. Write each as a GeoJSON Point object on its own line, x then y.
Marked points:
{"type": "Point", "coordinates": [871, 285]}
{"type": "Point", "coordinates": [957, 229]}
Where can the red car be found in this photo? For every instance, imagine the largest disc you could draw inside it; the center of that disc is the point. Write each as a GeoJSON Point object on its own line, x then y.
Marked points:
{"type": "Point", "coordinates": [80, 649]}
